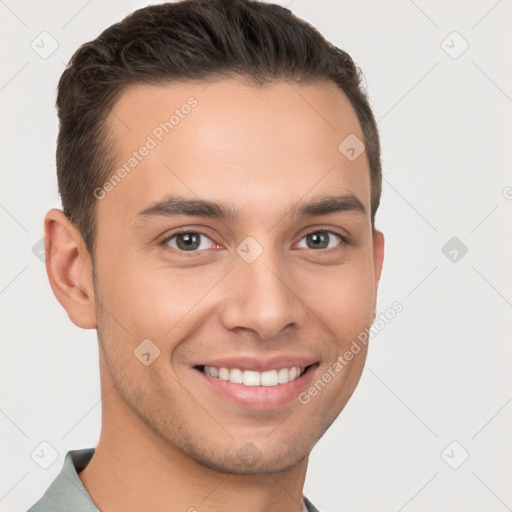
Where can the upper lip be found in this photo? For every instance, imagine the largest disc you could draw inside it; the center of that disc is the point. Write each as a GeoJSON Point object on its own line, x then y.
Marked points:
{"type": "Point", "coordinates": [259, 364]}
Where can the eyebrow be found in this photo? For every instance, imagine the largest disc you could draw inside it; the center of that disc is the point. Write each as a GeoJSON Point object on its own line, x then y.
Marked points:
{"type": "Point", "coordinates": [171, 206]}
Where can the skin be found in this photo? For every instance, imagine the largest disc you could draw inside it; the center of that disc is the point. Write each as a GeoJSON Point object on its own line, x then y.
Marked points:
{"type": "Point", "coordinates": [167, 442]}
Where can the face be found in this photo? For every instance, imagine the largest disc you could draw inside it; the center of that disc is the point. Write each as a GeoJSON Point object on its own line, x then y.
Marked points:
{"type": "Point", "coordinates": [245, 287]}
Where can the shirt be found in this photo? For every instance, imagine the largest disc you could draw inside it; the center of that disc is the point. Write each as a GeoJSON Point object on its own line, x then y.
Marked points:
{"type": "Point", "coordinates": [67, 492]}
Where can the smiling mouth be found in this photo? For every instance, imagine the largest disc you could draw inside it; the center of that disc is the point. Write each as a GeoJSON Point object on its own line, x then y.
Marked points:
{"type": "Point", "coordinates": [270, 378]}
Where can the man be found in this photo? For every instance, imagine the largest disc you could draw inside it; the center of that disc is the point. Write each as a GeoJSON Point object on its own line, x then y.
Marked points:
{"type": "Point", "coordinates": [219, 169]}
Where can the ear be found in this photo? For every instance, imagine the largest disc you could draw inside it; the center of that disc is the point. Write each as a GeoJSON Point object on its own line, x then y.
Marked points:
{"type": "Point", "coordinates": [378, 254]}
{"type": "Point", "coordinates": [69, 269]}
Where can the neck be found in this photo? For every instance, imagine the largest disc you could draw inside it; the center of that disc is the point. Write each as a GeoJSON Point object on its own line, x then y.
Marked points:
{"type": "Point", "coordinates": [134, 469]}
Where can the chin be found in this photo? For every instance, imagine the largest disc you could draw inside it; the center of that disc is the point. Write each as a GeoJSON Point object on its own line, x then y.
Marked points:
{"type": "Point", "coordinates": [248, 459]}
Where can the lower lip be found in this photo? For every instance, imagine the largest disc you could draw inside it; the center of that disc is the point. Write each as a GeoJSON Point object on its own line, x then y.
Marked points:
{"type": "Point", "coordinates": [259, 397]}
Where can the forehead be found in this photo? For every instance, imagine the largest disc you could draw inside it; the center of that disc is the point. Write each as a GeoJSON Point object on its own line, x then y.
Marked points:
{"type": "Point", "coordinates": [235, 143]}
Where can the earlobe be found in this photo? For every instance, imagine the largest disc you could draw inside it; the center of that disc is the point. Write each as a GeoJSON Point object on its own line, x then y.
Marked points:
{"type": "Point", "coordinates": [69, 269]}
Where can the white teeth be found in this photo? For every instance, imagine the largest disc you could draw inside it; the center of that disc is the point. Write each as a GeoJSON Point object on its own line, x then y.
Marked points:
{"type": "Point", "coordinates": [235, 375]}
{"type": "Point", "coordinates": [269, 378]}
{"type": "Point", "coordinates": [252, 378]}
{"type": "Point", "coordinates": [282, 376]}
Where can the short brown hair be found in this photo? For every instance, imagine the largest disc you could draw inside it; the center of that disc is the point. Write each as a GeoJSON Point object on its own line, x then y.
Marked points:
{"type": "Point", "coordinates": [194, 40]}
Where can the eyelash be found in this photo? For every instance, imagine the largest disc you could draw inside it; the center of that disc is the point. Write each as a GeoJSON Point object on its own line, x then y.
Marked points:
{"type": "Point", "coordinates": [344, 240]}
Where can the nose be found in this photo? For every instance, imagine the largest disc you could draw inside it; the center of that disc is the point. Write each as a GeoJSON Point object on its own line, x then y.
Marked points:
{"type": "Point", "coordinates": [260, 296]}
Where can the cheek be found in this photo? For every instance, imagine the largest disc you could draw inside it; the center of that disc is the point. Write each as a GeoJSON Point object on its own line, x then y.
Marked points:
{"type": "Point", "coordinates": [343, 298]}
{"type": "Point", "coordinates": [154, 303]}
{"type": "Point", "coordinates": [140, 293]}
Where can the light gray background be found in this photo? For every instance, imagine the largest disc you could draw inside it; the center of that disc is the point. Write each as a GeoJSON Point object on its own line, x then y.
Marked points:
{"type": "Point", "coordinates": [439, 372]}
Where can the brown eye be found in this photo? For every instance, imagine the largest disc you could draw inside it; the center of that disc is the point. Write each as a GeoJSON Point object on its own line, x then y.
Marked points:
{"type": "Point", "coordinates": [188, 241]}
